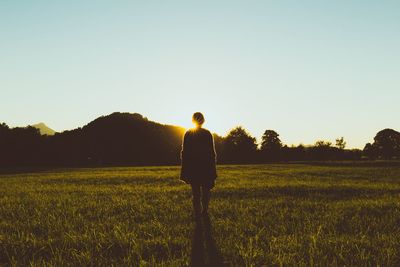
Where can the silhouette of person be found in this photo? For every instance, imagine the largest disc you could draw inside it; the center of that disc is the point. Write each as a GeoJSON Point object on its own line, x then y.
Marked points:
{"type": "Point", "coordinates": [198, 164]}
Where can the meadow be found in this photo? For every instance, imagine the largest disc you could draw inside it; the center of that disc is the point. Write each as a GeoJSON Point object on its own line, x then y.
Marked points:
{"type": "Point", "coordinates": [260, 215]}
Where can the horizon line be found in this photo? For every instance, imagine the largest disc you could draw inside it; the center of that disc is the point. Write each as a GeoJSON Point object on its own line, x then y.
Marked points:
{"type": "Point", "coordinates": [175, 125]}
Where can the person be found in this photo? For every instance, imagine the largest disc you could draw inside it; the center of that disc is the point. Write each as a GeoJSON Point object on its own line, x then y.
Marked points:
{"type": "Point", "coordinates": [199, 164]}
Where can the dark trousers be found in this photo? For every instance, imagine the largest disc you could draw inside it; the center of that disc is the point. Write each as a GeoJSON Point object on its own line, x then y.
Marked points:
{"type": "Point", "coordinates": [200, 193]}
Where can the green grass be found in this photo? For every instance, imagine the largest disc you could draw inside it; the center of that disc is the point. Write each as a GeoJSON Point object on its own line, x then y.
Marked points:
{"type": "Point", "coordinates": [300, 215]}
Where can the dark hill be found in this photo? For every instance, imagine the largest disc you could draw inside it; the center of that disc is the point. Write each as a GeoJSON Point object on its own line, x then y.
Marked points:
{"type": "Point", "coordinates": [119, 138]}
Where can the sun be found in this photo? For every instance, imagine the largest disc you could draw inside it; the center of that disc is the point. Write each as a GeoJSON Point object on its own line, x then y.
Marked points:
{"type": "Point", "coordinates": [181, 115]}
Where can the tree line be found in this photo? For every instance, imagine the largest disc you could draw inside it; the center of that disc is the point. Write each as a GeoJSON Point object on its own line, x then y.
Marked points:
{"type": "Point", "coordinates": [131, 139]}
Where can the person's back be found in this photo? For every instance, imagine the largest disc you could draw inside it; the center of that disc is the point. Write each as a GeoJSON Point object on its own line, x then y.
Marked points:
{"type": "Point", "coordinates": [198, 153]}
{"type": "Point", "coordinates": [198, 162]}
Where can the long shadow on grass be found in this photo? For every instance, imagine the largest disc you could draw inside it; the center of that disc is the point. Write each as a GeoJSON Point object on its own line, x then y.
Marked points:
{"type": "Point", "coordinates": [204, 248]}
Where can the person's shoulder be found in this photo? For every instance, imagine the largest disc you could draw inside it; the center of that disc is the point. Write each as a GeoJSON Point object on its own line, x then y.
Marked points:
{"type": "Point", "coordinates": [206, 132]}
{"type": "Point", "coordinates": [198, 132]}
{"type": "Point", "coordinates": [186, 133]}
{"type": "Point", "coordinates": [189, 132]}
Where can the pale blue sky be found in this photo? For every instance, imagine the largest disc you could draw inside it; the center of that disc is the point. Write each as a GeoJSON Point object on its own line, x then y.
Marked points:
{"type": "Point", "coordinates": [308, 69]}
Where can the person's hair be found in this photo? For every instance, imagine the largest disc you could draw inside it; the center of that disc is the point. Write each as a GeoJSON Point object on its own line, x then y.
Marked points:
{"type": "Point", "coordinates": [198, 118]}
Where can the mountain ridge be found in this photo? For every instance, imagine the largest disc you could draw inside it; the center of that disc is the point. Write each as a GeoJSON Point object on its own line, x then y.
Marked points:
{"type": "Point", "coordinates": [43, 128]}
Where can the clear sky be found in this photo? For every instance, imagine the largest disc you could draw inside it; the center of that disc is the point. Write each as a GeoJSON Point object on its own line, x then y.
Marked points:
{"type": "Point", "coordinates": [308, 69]}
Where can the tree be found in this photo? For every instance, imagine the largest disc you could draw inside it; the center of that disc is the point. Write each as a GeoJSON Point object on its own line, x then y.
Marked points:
{"type": "Point", "coordinates": [270, 140]}
{"type": "Point", "coordinates": [322, 144]}
{"type": "Point", "coordinates": [270, 145]}
{"type": "Point", "coordinates": [387, 143]}
{"type": "Point", "coordinates": [370, 151]}
{"type": "Point", "coordinates": [340, 143]}
{"type": "Point", "coordinates": [322, 150]}
{"type": "Point", "coordinates": [239, 146]}
{"type": "Point", "coordinates": [299, 152]}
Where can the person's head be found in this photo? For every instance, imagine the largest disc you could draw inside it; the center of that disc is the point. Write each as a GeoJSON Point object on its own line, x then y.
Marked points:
{"type": "Point", "coordinates": [198, 119]}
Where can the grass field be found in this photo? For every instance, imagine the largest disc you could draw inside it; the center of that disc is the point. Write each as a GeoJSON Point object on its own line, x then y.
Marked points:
{"type": "Point", "coordinates": [302, 215]}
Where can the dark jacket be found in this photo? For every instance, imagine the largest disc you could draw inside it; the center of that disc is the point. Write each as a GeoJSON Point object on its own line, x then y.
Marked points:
{"type": "Point", "coordinates": [198, 158]}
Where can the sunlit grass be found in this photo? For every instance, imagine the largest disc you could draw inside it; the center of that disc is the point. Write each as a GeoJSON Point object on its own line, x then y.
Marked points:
{"type": "Point", "coordinates": [261, 215]}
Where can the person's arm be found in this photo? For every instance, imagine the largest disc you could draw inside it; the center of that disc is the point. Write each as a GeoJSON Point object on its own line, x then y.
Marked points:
{"type": "Point", "coordinates": [213, 153]}
{"type": "Point", "coordinates": [213, 156]}
{"type": "Point", "coordinates": [183, 147]}
{"type": "Point", "coordinates": [183, 156]}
